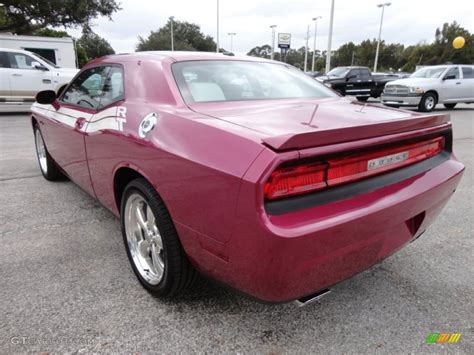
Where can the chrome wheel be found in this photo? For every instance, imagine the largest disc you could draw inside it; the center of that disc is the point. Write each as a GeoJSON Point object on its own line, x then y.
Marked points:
{"type": "Point", "coordinates": [144, 239]}
{"type": "Point", "coordinates": [430, 103]}
{"type": "Point", "coordinates": [41, 151]}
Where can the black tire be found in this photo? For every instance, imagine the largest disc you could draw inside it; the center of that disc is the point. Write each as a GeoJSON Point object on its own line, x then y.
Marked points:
{"type": "Point", "coordinates": [362, 98]}
{"type": "Point", "coordinates": [428, 102]}
{"type": "Point", "coordinates": [450, 106]}
{"type": "Point", "coordinates": [178, 273]}
{"type": "Point", "coordinates": [47, 166]}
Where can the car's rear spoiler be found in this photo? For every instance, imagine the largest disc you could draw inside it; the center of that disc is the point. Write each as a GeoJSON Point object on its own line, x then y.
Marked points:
{"type": "Point", "coordinates": [346, 134]}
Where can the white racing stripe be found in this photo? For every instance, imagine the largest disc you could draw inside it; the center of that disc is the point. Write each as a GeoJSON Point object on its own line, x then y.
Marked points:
{"type": "Point", "coordinates": [112, 118]}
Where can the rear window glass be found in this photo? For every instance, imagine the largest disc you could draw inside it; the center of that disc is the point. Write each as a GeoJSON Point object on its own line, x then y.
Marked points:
{"type": "Point", "coordinates": [208, 81]}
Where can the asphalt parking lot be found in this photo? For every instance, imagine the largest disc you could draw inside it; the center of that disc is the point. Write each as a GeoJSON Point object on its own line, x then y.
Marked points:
{"type": "Point", "coordinates": [66, 284]}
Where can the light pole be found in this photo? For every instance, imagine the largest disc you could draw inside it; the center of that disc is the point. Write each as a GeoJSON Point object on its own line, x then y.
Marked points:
{"type": "Point", "coordinates": [273, 40]}
{"type": "Point", "coordinates": [172, 35]}
{"type": "Point", "coordinates": [217, 36]}
{"type": "Point", "coordinates": [315, 19]}
{"type": "Point", "coordinates": [306, 51]}
{"type": "Point", "coordinates": [231, 34]}
{"type": "Point", "coordinates": [328, 53]}
{"type": "Point", "coordinates": [380, 34]}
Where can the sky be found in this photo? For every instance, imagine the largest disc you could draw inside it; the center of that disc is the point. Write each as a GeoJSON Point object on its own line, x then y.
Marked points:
{"type": "Point", "coordinates": [405, 21]}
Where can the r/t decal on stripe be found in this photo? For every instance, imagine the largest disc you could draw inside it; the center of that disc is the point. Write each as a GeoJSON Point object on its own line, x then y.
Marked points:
{"type": "Point", "coordinates": [121, 117]}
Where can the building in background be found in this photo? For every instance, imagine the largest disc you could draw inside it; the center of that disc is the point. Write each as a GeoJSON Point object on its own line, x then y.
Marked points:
{"type": "Point", "coordinates": [60, 51]}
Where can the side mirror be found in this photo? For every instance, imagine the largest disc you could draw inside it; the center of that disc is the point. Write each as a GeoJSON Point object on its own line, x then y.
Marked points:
{"type": "Point", "coordinates": [39, 66]}
{"type": "Point", "coordinates": [449, 77]}
{"type": "Point", "coordinates": [46, 97]}
{"type": "Point", "coordinates": [351, 76]}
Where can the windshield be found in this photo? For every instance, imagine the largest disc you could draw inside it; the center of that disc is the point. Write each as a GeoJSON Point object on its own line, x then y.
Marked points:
{"type": "Point", "coordinates": [339, 72]}
{"type": "Point", "coordinates": [428, 72]}
{"type": "Point", "coordinates": [45, 60]}
{"type": "Point", "coordinates": [225, 80]}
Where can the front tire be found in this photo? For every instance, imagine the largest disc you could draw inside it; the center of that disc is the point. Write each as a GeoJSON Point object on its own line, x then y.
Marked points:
{"type": "Point", "coordinates": [362, 98]}
{"type": "Point", "coordinates": [428, 102]}
{"type": "Point", "coordinates": [450, 106]}
{"type": "Point", "coordinates": [151, 240]}
{"type": "Point", "coordinates": [48, 167]}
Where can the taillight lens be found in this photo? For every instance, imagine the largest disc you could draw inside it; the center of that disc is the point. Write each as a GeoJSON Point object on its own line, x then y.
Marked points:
{"type": "Point", "coordinates": [299, 179]}
{"type": "Point", "coordinates": [295, 180]}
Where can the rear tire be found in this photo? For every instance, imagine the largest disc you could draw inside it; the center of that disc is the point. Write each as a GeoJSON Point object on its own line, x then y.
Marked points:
{"type": "Point", "coordinates": [48, 167]}
{"type": "Point", "coordinates": [450, 106]}
{"type": "Point", "coordinates": [151, 240]}
{"type": "Point", "coordinates": [428, 102]}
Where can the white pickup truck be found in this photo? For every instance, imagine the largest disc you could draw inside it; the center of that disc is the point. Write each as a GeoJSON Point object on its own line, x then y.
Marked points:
{"type": "Point", "coordinates": [23, 74]}
{"type": "Point", "coordinates": [440, 84]}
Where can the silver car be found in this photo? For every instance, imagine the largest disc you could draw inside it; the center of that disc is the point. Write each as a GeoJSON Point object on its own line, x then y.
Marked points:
{"type": "Point", "coordinates": [440, 84]}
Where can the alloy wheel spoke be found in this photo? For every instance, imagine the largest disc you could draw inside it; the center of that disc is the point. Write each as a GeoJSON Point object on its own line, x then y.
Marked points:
{"type": "Point", "coordinates": [156, 259]}
{"type": "Point", "coordinates": [141, 219]}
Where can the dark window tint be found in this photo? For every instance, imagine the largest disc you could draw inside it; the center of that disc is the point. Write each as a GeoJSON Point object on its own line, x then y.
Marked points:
{"type": "Point", "coordinates": [113, 89]}
{"type": "Point", "coordinates": [453, 71]}
{"type": "Point", "coordinates": [20, 60]}
{"type": "Point", "coordinates": [4, 62]}
{"type": "Point", "coordinates": [467, 73]}
{"type": "Point", "coordinates": [49, 54]}
{"type": "Point", "coordinates": [86, 90]}
{"type": "Point", "coordinates": [365, 74]}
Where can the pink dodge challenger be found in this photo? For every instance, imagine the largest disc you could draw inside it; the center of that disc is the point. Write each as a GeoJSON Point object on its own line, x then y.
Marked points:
{"type": "Point", "coordinates": [245, 170]}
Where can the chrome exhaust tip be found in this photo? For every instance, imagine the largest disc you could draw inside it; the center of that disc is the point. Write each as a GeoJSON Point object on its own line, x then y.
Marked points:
{"type": "Point", "coordinates": [304, 301]}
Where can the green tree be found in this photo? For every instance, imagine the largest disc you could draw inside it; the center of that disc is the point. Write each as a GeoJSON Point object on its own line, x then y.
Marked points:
{"type": "Point", "coordinates": [92, 45]}
{"type": "Point", "coordinates": [264, 51]}
{"type": "Point", "coordinates": [26, 16]}
{"type": "Point", "coordinates": [187, 37]}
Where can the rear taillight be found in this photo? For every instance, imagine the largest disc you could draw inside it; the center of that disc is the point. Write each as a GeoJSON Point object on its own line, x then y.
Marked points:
{"type": "Point", "coordinates": [295, 180]}
{"type": "Point", "coordinates": [304, 178]}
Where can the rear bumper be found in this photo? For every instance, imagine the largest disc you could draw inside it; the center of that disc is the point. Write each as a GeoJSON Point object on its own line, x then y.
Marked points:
{"type": "Point", "coordinates": [400, 100]}
{"type": "Point", "coordinates": [279, 258]}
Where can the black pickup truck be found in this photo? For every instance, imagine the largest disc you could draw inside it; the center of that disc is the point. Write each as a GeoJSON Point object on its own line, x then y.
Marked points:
{"type": "Point", "coordinates": [356, 81]}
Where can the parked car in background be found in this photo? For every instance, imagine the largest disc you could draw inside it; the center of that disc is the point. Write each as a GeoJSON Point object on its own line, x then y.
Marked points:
{"type": "Point", "coordinates": [439, 84]}
{"type": "Point", "coordinates": [244, 169]}
{"type": "Point", "coordinates": [314, 74]}
{"type": "Point", "coordinates": [356, 81]}
{"type": "Point", "coordinates": [23, 74]}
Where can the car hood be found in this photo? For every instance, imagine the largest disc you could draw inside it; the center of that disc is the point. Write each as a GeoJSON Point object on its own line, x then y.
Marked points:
{"type": "Point", "coordinates": [66, 71]}
{"type": "Point", "coordinates": [413, 82]}
{"type": "Point", "coordinates": [286, 124]}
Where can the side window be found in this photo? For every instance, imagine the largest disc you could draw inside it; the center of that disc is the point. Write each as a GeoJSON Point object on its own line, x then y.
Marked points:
{"type": "Point", "coordinates": [113, 89]}
{"type": "Point", "coordinates": [453, 71]}
{"type": "Point", "coordinates": [355, 75]}
{"type": "Point", "coordinates": [20, 60]}
{"type": "Point", "coordinates": [365, 74]}
{"type": "Point", "coordinates": [467, 73]}
{"type": "Point", "coordinates": [4, 62]}
{"type": "Point", "coordinates": [86, 90]}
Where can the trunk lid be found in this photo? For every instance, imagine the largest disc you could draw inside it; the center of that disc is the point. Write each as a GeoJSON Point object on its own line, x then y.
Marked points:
{"type": "Point", "coordinates": [305, 123]}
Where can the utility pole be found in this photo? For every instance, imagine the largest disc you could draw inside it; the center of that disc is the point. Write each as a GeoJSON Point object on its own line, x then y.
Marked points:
{"type": "Point", "coordinates": [217, 36]}
{"type": "Point", "coordinates": [231, 34]}
{"type": "Point", "coordinates": [273, 40]}
{"type": "Point", "coordinates": [172, 35]}
{"type": "Point", "coordinates": [352, 60]}
{"type": "Point", "coordinates": [306, 51]}
{"type": "Point", "coordinates": [315, 19]}
{"type": "Point", "coordinates": [328, 53]}
{"type": "Point", "coordinates": [380, 34]}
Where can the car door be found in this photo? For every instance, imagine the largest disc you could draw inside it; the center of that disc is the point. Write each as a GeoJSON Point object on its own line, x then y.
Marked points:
{"type": "Point", "coordinates": [451, 86]}
{"type": "Point", "coordinates": [66, 128]}
{"type": "Point", "coordinates": [4, 77]}
{"type": "Point", "coordinates": [25, 79]}
{"type": "Point", "coordinates": [352, 82]}
{"type": "Point", "coordinates": [467, 83]}
{"type": "Point", "coordinates": [364, 82]}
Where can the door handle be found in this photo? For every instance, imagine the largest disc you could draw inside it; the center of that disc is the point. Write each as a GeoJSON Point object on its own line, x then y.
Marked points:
{"type": "Point", "coordinates": [80, 122]}
{"type": "Point", "coordinates": [46, 81]}
{"type": "Point", "coordinates": [458, 83]}
{"type": "Point", "coordinates": [16, 74]}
